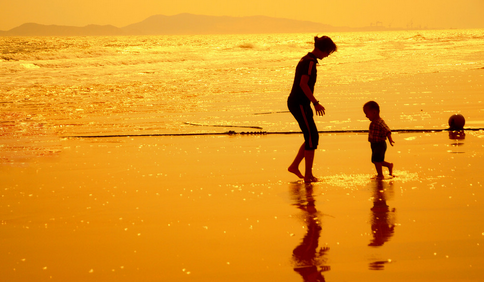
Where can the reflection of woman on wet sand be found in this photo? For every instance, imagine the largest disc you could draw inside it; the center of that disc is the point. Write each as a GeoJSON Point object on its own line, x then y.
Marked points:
{"type": "Point", "coordinates": [308, 260]}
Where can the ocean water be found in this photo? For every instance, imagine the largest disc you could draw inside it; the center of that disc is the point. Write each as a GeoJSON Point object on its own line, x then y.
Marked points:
{"type": "Point", "coordinates": [71, 86]}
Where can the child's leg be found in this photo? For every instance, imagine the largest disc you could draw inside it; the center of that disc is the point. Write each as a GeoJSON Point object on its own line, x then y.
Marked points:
{"type": "Point", "coordinates": [378, 158]}
{"type": "Point", "coordinates": [294, 167]}
{"type": "Point", "coordinates": [389, 166]}
{"type": "Point", "coordinates": [378, 166]}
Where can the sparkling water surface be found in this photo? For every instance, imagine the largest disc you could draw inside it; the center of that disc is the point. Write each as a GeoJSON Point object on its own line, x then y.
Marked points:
{"type": "Point", "coordinates": [69, 86]}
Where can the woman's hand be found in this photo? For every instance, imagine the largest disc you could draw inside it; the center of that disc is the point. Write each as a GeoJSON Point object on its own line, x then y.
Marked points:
{"type": "Point", "coordinates": [320, 110]}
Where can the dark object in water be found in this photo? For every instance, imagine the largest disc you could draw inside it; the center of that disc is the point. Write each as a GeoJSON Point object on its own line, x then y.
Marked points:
{"type": "Point", "coordinates": [457, 122]}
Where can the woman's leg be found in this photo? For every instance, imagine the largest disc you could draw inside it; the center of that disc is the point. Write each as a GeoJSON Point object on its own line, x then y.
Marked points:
{"type": "Point", "coordinates": [294, 167]}
{"type": "Point", "coordinates": [308, 175]}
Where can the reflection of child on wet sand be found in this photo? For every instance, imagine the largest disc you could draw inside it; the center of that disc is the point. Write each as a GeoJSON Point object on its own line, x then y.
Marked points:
{"type": "Point", "coordinates": [377, 136]}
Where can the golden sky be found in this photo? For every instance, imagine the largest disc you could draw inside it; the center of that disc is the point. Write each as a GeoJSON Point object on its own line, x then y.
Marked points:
{"type": "Point", "coordinates": [352, 13]}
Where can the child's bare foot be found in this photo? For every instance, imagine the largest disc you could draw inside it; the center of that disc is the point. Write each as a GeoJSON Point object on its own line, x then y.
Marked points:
{"type": "Point", "coordinates": [378, 177]}
{"type": "Point", "coordinates": [390, 168]}
{"type": "Point", "coordinates": [310, 179]}
{"type": "Point", "coordinates": [295, 171]}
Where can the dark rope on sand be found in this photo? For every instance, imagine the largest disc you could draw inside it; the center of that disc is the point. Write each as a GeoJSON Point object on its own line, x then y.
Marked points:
{"type": "Point", "coordinates": [220, 125]}
{"type": "Point", "coordinates": [267, 133]}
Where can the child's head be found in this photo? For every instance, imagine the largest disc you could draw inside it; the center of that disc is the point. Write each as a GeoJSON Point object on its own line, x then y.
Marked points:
{"type": "Point", "coordinates": [372, 110]}
{"type": "Point", "coordinates": [325, 44]}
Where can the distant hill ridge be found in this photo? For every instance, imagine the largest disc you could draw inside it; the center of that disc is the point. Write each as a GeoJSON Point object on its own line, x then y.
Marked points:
{"type": "Point", "coordinates": [33, 29]}
{"type": "Point", "coordinates": [183, 24]}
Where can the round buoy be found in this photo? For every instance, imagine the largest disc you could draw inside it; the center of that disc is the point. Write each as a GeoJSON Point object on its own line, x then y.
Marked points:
{"type": "Point", "coordinates": [457, 122]}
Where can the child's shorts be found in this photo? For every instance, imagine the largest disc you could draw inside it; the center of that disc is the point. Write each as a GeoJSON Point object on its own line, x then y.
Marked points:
{"type": "Point", "coordinates": [378, 150]}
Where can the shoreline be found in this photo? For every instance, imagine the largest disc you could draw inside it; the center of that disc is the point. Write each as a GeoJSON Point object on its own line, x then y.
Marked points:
{"type": "Point", "coordinates": [269, 133]}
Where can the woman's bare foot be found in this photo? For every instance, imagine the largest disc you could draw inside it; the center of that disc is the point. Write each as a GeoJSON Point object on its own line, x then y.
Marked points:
{"type": "Point", "coordinates": [390, 169]}
{"type": "Point", "coordinates": [310, 179]}
{"type": "Point", "coordinates": [295, 171]}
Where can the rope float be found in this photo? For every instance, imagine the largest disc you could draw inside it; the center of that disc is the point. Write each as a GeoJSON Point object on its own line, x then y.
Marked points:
{"type": "Point", "coordinates": [258, 133]}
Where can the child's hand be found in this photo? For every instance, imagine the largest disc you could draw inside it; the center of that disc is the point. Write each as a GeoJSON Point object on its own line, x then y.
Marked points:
{"type": "Point", "coordinates": [391, 140]}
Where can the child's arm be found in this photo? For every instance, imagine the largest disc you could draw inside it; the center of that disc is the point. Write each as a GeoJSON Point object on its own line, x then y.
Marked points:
{"type": "Point", "coordinates": [389, 135]}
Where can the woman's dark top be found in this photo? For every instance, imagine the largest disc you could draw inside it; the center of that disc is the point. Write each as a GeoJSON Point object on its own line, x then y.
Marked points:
{"type": "Point", "coordinates": [306, 66]}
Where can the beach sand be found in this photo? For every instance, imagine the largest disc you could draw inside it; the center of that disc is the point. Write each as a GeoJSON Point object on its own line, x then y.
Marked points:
{"type": "Point", "coordinates": [224, 208]}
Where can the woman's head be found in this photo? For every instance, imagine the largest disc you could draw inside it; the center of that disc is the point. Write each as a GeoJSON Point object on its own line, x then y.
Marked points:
{"type": "Point", "coordinates": [325, 44]}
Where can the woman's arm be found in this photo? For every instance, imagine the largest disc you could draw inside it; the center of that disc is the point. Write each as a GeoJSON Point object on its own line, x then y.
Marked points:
{"type": "Point", "coordinates": [305, 88]}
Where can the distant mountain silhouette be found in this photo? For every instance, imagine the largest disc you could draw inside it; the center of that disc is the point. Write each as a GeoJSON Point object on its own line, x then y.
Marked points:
{"type": "Point", "coordinates": [198, 24]}
{"type": "Point", "coordinates": [183, 24]}
{"type": "Point", "coordinates": [33, 29]}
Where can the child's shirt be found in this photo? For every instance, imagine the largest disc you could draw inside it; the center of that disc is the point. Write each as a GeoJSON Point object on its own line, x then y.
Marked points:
{"type": "Point", "coordinates": [378, 131]}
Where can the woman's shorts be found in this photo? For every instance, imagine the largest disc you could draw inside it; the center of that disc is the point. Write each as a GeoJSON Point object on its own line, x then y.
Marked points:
{"type": "Point", "coordinates": [304, 117]}
{"type": "Point", "coordinates": [378, 150]}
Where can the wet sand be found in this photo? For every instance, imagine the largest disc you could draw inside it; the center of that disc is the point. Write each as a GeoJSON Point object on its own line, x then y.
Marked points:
{"type": "Point", "coordinates": [224, 208]}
